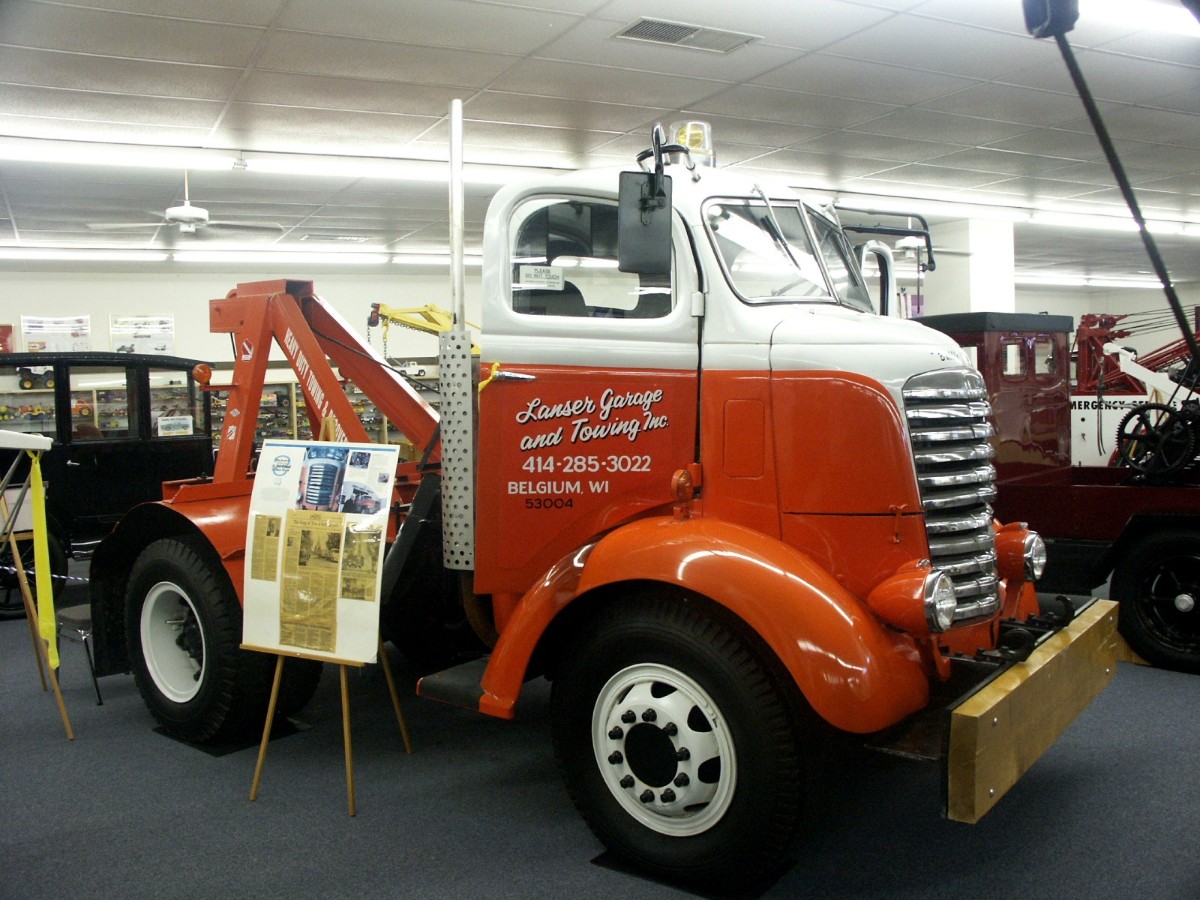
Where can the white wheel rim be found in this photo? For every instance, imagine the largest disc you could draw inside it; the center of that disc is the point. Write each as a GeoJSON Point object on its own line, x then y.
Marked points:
{"type": "Point", "coordinates": [169, 623]}
{"type": "Point", "coordinates": [664, 750]}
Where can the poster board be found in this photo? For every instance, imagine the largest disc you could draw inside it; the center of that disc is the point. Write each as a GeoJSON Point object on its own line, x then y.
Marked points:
{"type": "Point", "coordinates": [142, 334]}
{"type": "Point", "coordinates": [315, 542]}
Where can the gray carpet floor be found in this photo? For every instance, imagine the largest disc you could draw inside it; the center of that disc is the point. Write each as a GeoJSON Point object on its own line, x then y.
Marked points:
{"type": "Point", "coordinates": [478, 810]}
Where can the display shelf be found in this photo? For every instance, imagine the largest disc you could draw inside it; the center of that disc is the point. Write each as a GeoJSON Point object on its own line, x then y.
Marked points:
{"type": "Point", "coordinates": [31, 412]}
{"type": "Point", "coordinates": [282, 413]}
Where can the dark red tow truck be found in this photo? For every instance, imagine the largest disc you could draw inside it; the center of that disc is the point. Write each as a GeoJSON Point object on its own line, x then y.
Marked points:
{"type": "Point", "coordinates": [1139, 528]}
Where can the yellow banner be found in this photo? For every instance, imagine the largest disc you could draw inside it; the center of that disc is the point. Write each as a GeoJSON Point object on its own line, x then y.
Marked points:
{"type": "Point", "coordinates": [47, 625]}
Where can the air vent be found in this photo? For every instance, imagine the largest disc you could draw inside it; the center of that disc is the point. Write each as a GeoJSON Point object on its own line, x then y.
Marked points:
{"type": "Point", "coordinates": [677, 34]}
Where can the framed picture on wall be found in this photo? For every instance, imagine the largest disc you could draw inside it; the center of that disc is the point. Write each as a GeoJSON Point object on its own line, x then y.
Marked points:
{"type": "Point", "coordinates": [142, 334]}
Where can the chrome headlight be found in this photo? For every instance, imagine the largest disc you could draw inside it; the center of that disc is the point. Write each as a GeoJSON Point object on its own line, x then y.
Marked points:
{"type": "Point", "coordinates": [1035, 556]}
{"type": "Point", "coordinates": [940, 601]}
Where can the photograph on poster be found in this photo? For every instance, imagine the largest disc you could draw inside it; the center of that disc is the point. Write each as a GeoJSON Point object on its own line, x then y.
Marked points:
{"type": "Point", "coordinates": [318, 517]}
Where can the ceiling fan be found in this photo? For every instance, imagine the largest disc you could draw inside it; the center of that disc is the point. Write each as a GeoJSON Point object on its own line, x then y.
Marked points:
{"type": "Point", "coordinates": [188, 219]}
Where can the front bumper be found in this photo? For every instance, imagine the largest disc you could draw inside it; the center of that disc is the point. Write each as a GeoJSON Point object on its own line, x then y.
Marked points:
{"type": "Point", "coordinates": [1001, 729]}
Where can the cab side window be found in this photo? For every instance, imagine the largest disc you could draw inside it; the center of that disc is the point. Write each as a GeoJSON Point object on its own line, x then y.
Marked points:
{"type": "Point", "coordinates": [564, 263]}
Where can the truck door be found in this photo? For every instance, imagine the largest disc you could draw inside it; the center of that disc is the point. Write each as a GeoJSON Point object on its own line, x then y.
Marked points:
{"type": "Point", "coordinates": [594, 405]}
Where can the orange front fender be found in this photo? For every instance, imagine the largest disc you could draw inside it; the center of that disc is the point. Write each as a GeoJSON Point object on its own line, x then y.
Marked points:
{"type": "Point", "coordinates": [857, 674]}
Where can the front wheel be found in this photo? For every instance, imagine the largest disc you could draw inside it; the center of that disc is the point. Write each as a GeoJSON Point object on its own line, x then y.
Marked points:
{"type": "Point", "coordinates": [1157, 584]}
{"type": "Point", "coordinates": [677, 744]}
{"type": "Point", "coordinates": [184, 628]}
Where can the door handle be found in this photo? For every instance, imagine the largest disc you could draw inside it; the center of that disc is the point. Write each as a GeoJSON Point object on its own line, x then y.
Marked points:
{"type": "Point", "coordinates": [71, 462]}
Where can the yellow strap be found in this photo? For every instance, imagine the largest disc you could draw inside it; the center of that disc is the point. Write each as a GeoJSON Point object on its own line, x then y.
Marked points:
{"type": "Point", "coordinates": [47, 626]}
{"type": "Point", "coordinates": [491, 377]}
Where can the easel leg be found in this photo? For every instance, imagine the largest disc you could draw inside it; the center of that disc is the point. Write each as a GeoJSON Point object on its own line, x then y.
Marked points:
{"type": "Point", "coordinates": [346, 736]}
{"type": "Point", "coordinates": [391, 683]}
{"type": "Point", "coordinates": [266, 737]}
{"type": "Point", "coordinates": [58, 698]}
{"type": "Point", "coordinates": [27, 598]}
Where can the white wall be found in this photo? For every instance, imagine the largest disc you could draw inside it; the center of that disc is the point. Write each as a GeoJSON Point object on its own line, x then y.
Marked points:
{"type": "Point", "coordinates": [45, 292]}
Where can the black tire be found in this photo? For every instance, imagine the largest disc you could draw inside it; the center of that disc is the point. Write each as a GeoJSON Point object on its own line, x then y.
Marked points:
{"type": "Point", "coordinates": [721, 816]}
{"type": "Point", "coordinates": [299, 682]}
{"type": "Point", "coordinates": [12, 603]}
{"type": "Point", "coordinates": [184, 629]}
{"type": "Point", "coordinates": [1157, 584]}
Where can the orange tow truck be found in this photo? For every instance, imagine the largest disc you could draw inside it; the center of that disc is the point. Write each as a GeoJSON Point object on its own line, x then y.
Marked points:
{"type": "Point", "coordinates": [695, 478]}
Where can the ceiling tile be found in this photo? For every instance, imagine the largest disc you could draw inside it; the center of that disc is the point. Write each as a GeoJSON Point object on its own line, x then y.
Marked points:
{"type": "Point", "coordinates": [444, 23]}
{"type": "Point", "coordinates": [854, 142]}
{"type": "Point", "coordinates": [1114, 76]}
{"type": "Point", "coordinates": [237, 12]}
{"type": "Point", "coordinates": [386, 61]}
{"type": "Point", "coordinates": [592, 42]}
{"type": "Point", "coordinates": [802, 25]}
{"type": "Point", "coordinates": [345, 94]}
{"type": "Point", "coordinates": [821, 73]}
{"type": "Point", "coordinates": [518, 109]}
{"type": "Point", "coordinates": [943, 47]}
{"type": "Point", "coordinates": [924, 124]}
{"type": "Point", "coordinates": [813, 110]}
{"type": "Point", "coordinates": [92, 73]}
{"type": "Point", "coordinates": [573, 81]}
{"type": "Point", "coordinates": [68, 28]}
{"type": "Point", "coordinates": [1005, 103]}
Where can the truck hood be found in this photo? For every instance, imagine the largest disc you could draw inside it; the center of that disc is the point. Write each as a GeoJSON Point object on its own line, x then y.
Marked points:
{"type": "Point", "coordinates": [837, 339]}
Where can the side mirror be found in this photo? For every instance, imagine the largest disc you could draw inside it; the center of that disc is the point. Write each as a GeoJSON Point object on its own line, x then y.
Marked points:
{"type": "Point", "coordinates": [644, 223]}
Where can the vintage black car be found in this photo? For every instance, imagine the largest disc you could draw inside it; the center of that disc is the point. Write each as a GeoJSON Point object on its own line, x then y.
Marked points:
{"type": "Point", "coordinates": [122, 424]}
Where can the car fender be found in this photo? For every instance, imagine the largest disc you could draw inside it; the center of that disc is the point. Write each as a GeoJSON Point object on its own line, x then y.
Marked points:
{"type": "Point", "coordinates": [857, 674]}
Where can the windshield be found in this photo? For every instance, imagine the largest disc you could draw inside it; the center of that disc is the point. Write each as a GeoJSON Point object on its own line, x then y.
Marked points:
{"type": "Point", "coordinates": [765, 250]}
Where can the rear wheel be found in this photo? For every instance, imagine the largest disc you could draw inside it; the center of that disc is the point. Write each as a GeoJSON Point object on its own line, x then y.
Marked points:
{"type": "Point", "coordinates": [1157, 584]}
{"type": "Point", "coordinates": [678, 746]}
{"type": "Point", "coordinates": [184, 629]}
{"type": "Point", "coordinates": [12, 603]}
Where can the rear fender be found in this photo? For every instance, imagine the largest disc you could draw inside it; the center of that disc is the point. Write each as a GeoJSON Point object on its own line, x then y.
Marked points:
{"type": "Point", "coordinates": [857, 674]}
{"type": "Point", "coordinates": [220, 523]}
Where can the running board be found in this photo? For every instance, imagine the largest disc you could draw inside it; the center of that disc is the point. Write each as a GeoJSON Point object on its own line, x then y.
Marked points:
{"type": "Point", "coordinates": [459, 685]}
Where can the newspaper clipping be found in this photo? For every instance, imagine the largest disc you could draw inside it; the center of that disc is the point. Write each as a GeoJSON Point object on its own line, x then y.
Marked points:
{"type": "Point", "coordinates": [318, 519]}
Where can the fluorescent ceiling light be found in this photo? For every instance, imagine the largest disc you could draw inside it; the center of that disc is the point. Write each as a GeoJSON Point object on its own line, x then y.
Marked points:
{"type": "Point", "coordinates": [82, 255]}
{"type": "Point", "coordinates": [1030, 280]}
{"type": "Point", "coordinates": [1143, 16]}
{"type": "Point", "coordinates": [119, 155]}
{"type": "Point", "coordinates": [279, 257]}
{"type": "Point", "coordinates": [433, 259]}
{"type": "Point", "coordinates": [1108, 223]}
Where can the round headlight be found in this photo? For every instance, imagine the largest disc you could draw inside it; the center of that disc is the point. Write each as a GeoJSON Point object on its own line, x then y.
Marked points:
{"type": "Point", "coordinates": [1035, 556]}
{"type": "Point", "coordinates": [940, 601]}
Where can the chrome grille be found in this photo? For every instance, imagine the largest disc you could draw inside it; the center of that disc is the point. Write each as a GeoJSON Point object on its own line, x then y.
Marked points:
{"type": "Point", "coordinates": [947, 413]}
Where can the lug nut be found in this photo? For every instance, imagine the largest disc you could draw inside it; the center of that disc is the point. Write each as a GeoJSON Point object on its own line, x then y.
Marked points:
{"type": "Point", "coordinates": [667, 796]}
{"type": "Point", "coordinates": [649, 715]}
{"type": "Point", "coordinates": [627, 782]}
{"type": "Point", "coordinates": [616, 734]}
{"type": "Point", "coordinates": [682, 780]}
{"type": "Point", "coordinates": [670, 729]}
{"type": "Point", "coordinates": [647, 796]}
{"type": "Point", "coordinates": [615, 757]}
{"type": "Point", "coordinates": [683, 753]}
{"type": "Point", "coordinates": [628, 717]}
